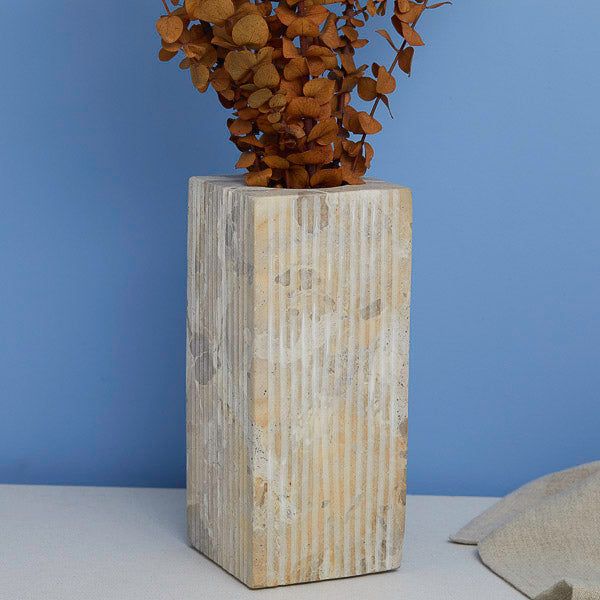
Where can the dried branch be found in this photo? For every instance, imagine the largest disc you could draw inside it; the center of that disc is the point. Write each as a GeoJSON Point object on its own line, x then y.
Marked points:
{"type": "Point", "coordinates": [288, 73]}
{"type": "Point", "coordinates": [391, 68]}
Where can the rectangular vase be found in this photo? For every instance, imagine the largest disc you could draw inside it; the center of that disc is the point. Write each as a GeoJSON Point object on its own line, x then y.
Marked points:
{"type": "Point", "coordinates": [297, 378]}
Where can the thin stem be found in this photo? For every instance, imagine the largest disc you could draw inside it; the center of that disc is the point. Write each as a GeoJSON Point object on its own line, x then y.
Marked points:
{"type": "Point", "coordinates": [166, 7]}
{"type": "Point", "coordinates": [347, 14]}
{"type": "Point", "coordinates": [304, 44]}
{"type": "Point", "coordinates": [363, 137]}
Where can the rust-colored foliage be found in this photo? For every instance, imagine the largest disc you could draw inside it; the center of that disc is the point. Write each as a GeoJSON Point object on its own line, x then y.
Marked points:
{"type": "Point", "coordinates": [287, 70]}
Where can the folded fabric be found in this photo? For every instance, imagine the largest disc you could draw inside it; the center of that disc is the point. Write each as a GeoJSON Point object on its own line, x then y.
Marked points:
{"type": "Point", "coordinates": [544, 538]}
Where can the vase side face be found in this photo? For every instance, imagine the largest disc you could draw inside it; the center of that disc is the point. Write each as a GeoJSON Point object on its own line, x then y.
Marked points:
{"type": "Point", "coordinates": [324, 356]}
{"type": "Point", "coordinates": [218, 375]}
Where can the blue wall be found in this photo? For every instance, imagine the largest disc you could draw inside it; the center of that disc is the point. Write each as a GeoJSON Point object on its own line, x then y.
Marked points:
{"type": "Point", "coordinates": [497, 133]}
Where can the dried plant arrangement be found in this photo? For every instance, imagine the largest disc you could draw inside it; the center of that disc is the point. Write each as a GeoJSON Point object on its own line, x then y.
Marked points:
{"type": "Point", "coordinates": [287, 69]}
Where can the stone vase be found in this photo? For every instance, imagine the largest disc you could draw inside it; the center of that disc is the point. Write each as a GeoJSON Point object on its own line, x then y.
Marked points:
{"type": "Point", "coordinates": [297, 378]}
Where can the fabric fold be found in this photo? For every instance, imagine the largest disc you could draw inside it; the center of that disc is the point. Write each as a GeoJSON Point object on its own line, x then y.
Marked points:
{"type": "Point", "coordinates": [564, 590]}
{"type": "Point", "coordinates": [544, 538]}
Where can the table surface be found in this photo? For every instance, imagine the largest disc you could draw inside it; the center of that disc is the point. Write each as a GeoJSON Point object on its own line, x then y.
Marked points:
{"type": "Point", "coordinates": [85, 543]}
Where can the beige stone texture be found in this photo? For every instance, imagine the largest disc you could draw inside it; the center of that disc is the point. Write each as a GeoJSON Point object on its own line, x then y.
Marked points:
{"type": "Point", "coordinates": [297, 378]}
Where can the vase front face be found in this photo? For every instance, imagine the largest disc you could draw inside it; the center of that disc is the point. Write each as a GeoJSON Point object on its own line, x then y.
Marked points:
{"type": "Point", "coordinates": [297, 378]}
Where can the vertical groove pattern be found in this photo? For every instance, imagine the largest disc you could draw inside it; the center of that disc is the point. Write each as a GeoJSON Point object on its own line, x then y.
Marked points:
{"type": "Point", "coordinates": [297, 377]}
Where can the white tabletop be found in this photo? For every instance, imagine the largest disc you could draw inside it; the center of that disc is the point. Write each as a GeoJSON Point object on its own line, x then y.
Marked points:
{"type": "Point", "coordinates": [84, 543]}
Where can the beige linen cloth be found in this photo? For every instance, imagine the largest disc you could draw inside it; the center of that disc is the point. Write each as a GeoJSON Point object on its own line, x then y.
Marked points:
{"type": "Point", "coordinates": [544, 538]}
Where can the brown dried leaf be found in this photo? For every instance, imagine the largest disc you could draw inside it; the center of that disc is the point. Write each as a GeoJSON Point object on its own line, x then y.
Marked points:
{"type": "Point", "coordinates": [248, 113]}
{"type": "Point", "coordinates": [251, 30]}
{"type": "Point", "coordinates": [348, 63]}
{"type": "Point", "coordinates": [296, 67]}
{"type": "Point", "coordinates": [278, 101]}
{"type": "Point", "coordinates": [266, 76]}
{"type": "Point", "coordinates": [246, 8]}
{"type": "Point", "coordinates": [385, 35]}
{"type": "Point", "coordinates": [316, 67]}
{"type": "Point", "coordinates": [288, 48]}
{"type": "Point", "coordinates": [316, 156]}
{"type": "Point", "coordinates": [174, 47]}
{"type": "Point", "coordinates": [302, 26]}
{"type": "Point", "coordinates": [350, 120]}
{"type": "Point", "coordinates": [350, 33]}
{"type": "Point", "coordinates": [386, 83]}
{"type": "Point", "coordinates": [405, 59]}
{"type": "Point", "coordinates": [291, 89]}
{"type": "Point", "coordinates": [324, 132]}
{"type": "Point", "coordinates": [329, 36]}
{"type": "Point", "coordinates": [222, 39]}
{"type": "Point", "coordinates": [165, 55]}
{"type": "Point", "coordinates": [264, 55]}
{"type": "Point", "coordinates": [326, 111]}
{"type": "Point", "coordinates": [212, 11]}
{"type": "Point", "coordinates": [369, 152]}
{"type": "Point", "coordinates": [264, 124]}
{"type": "Point", "coordinates": [259, 97]}
{"type": "Point", "coordinates": [351, 148]}
{"type": "Point", "coordinates": [319, 51]}
{"type": "Point", "coordinates": [220, 79]}
{"type": "Point", "coordinates": [303, 107]}
{"type": "Point", "coordinates": [246, 160]}
{"type": "Point", "coordinates": [285, 15]}
{"type": "Point", "coordinates": [226, 99]}
{"type": "Point", "coordinates": [320, 59]}
{"type": "Point", "coordinates": [297, 178]}
{"type": "Point", "coordinates": [349, 83]}
{"type": "Point", "coordinates": [350, 176]}
{"type": "Point", "coordinates": [204, 52]}
{"type": "Point", "coordinates": [196, 50]}
{"type": "Point", "coordinates": [238, 63]}
{"type": "Point", "coordinates": [369, 124]}
{"type": "Point", "coordinates": [186, 36]}
{"type": "Point", "coordinates": [367, 88]}
{"type": "Point", "coordinates": [319, 89]}
{"type": "Point", "coordinates": [296, 130]}
{"type": "Point", "coordinates": [411, 15]}
{"type": "Point", "coordinates": [276, 162]}
{"type": "Point", "coordinates": [240, 127]}
{"type": "Point", "coordinates": [199, 74]}
{"type": "Point", "coordinates": [170, 28]}
{"type": "Point", "coordinates": [317, 14]}
{"type": "Point", "coordinates": [258, 178]}
{"type": "Point", "coordinates": [327, 178]}
{"type": "Point", "coordinates": [386, 101]}
{"type": "Point", "coordinates": [229, 95]}
{"type": "Point", "coordinates": [403, 5]}
{"type": "Point", "coordinates": [410, 35]}
{"type": "Point", "coordinates": [249, 140]}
